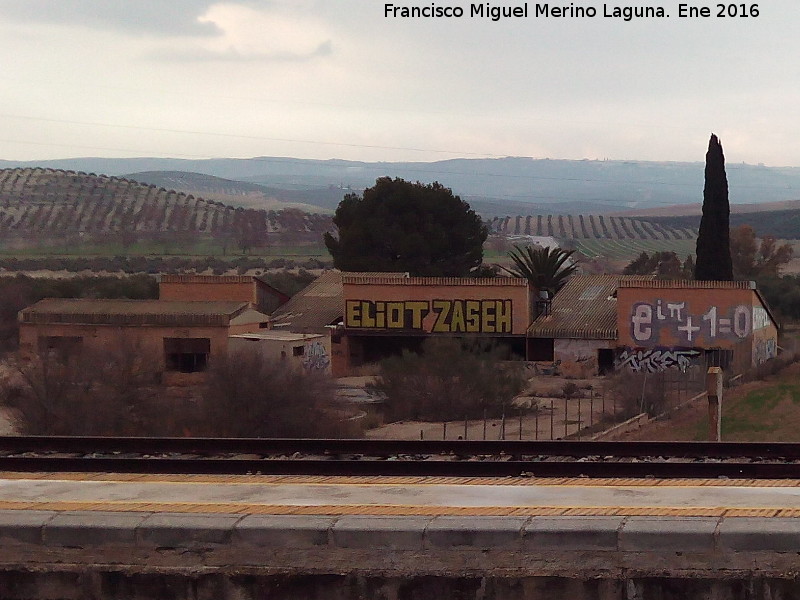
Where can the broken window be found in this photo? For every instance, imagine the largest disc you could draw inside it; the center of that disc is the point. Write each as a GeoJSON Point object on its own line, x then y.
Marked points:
{"type": "Point", "coordinates": [187, 355]}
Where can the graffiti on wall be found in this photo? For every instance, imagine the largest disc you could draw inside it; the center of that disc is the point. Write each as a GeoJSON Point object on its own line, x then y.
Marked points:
{"type": "Point", "coordinates": [764, 350]}
{"type": "Point", "coordinates": [451, 316]}
{"type": "Point", "coordinates": [315, 358]}
{"type": "Point", "coordinates": [655, 360]}
{"type": "Point", "coordinates": [650, 321]}
{"type": "Point", "coordinates": [761, 318]}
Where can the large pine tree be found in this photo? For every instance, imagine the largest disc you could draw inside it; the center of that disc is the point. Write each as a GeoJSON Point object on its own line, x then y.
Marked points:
{"type": "Point", "coordinates": [713, 242]}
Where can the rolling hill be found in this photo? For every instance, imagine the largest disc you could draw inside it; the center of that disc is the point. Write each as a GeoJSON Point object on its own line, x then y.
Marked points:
{"type": "Point", "coordinates": [50, 202]}
{"type": "Point", "coordinates": [503, 184]}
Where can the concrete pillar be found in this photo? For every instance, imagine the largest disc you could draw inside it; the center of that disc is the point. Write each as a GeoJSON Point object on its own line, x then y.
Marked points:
{"type": "Point", "coordinates": [714, 390]}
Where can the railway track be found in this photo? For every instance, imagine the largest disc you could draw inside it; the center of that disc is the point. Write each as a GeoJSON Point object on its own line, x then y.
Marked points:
{"type": "Point", "coordinates": [469, 458]}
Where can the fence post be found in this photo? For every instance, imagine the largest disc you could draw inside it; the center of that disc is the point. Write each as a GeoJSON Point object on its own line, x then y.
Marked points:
{"type": "Point", "coordinates": [465, 427]}
{"type": "Point", "coordinates": [714, 389]}
{"type": "Point", "coordinates": [580, 421]}
{"type": "Point", "coordinates": [484, 424]}
{"type": "Point", "coordinates": [520, 422]}
{"type": "Point", "coordinates": [444, 430]}
{"type": "Point", "coordinates": [552, 418]}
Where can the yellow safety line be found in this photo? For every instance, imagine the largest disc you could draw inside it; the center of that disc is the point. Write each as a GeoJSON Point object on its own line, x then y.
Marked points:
{"type": "Point", "coordinates": [394, 480]}
{"type": "Point", "coordinates": [399, 510]}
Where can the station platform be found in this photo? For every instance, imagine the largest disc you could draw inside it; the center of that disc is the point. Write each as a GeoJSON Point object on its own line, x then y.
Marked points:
{"type": "Point", "coordinates": [398, 529]}
{"type": "Point", "coordinates": [399, 496]}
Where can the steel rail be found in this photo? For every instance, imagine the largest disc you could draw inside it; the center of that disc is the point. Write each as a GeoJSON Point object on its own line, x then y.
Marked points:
{"type": "Point", "coordinates": [439, 468]}
{"type": "Point", "coordinates": [386, 448]}
{"type": "Point", "coordinates": [460, 458]}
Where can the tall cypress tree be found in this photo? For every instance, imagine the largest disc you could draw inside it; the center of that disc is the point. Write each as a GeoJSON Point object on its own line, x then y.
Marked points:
{"type": "Point", "coordinates": [713, 242]}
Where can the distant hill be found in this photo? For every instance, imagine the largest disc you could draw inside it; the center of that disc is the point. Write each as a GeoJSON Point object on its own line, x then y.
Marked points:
{"type": "Point", "coordinates": [497, 186]}
{"type": "Point", "coordinates": [683, 210]}
{"type": "Point", "coordinates": [229, 191]}
{"type": "Point", "coordinates": [582, 227]}
{"type": "Point", "coordinates": [55, 202]}
{"type": "Point", "coordinates": [782, 224]}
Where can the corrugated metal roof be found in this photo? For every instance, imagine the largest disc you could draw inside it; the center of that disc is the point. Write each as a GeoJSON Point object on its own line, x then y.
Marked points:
{"type": "Point", "coordinates": [279, 336]}
{"type": "Point", "coordinates": [249, 316]}
{"type": "Point", "coordinates": [688, 284]}
{"type": "Point", "coordinates": [319, 304]}
{"type": "Point", "coordinates": [585, 308]}
{"type": "Point", "coordinates": [131, 312]}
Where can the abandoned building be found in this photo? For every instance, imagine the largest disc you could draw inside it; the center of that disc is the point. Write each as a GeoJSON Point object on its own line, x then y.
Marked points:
{"type": "Point", "coordinates": [179, 336]}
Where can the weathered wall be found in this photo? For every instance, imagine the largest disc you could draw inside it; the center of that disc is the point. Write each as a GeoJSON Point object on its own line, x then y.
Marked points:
{"type": "Point", "coordinates": [579, 357]}
{"type": "Point", "coordinates": [316, 350]}
{"type": "Point", "coordinates": [206, 287]}
{"type": "Point", "coordinates": [662, 327]}
{"type": "Point", "coordinates": [143, 339]}
{"type": "Point", "coordinates": [27, 585]}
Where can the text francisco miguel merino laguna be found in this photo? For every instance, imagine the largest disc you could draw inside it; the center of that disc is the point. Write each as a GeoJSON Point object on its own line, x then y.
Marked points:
{"type": "Point", "coordinates": [539, 10]}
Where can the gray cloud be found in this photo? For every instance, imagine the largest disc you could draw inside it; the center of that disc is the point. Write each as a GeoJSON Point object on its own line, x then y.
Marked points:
{"type": "Point", "coordinates": [198, 54]}
{"type": "Point", "coordinates": [153, 17]}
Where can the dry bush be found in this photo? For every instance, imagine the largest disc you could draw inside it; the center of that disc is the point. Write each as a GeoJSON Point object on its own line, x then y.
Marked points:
{"type": "Point", "coordinates": [248, 396]}
{"type": "Point", "coordinates": [449, 380]}
{"type": "Point", "coordinates": [638, 392]}
{"type": "Point", "coordinates": [108, 393]}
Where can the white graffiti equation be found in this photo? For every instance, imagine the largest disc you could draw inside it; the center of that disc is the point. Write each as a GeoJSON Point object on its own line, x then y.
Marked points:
{"type": "Point", "coordinates": [649, 322]}
{"type": "Point", "coordinates": [655, 360]}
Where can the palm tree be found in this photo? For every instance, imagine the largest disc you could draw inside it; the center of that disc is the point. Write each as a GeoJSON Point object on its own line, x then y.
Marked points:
{"type": "Point", "coordinates": [545, 268]}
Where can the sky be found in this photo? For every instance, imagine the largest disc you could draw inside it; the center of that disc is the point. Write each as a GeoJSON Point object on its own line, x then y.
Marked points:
{"type": "Point", "coordinates": [338, 79]}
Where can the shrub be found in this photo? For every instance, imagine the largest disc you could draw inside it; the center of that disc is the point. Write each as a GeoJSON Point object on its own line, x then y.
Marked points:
{"type": "Point", "coordinates": [449, 379]}
{"type": "Point", "coordinates": [638, 392]}
{"type": "Point", "coordinates": [109, 393]}
{"type": "Point", "coordinates": [250, 396]}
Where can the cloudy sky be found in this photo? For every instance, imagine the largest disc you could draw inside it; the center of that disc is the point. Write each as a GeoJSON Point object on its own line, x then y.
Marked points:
{"type": "Point", "coordinates": [337, 79]}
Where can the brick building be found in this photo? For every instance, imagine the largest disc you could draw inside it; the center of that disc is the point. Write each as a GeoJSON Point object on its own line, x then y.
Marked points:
{"type": "Point", "coordinates": [665, 324]}
{"type": "Point", "coordinates": [242, 288]}
{"type": "Point", "coordinates": [384, 314]}
{"type": "Point", "coordinates": [594, 324]}
{"type": "Point", "coordinates": [179, 336]}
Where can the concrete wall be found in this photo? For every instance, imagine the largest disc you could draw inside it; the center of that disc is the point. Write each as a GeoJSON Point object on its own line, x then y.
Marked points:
{"type": "Point", "coordinates": [136, 556]}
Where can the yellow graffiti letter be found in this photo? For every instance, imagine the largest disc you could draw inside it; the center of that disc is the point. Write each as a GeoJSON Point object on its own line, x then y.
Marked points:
{"type": "Point", "coordinates": [473, 316]}
{"type": "Point", "coordinates": [353, 314]}
{"type": "Point", "coordinates": [419, 309]}
{"type": "Point", "coordinates": [503, 314]}
{"type": "Point", "coordinates": [442, 310]}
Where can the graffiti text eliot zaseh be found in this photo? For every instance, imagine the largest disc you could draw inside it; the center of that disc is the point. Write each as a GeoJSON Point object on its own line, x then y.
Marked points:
{"type": "Point", "coordinates": [451, 316]}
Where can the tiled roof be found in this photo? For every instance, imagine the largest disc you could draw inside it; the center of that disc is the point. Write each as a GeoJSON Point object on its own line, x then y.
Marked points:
{"type": "Point", "coordinates": [319, 304]}
{"type": "Point", "coordinates": [192, 278]}
{"type": "Point", "coordinates": [393, 279]}
{"type": "Point", "coordinates": [585, 308]}
{"type": "Point", "coordinates": [131, 312]}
